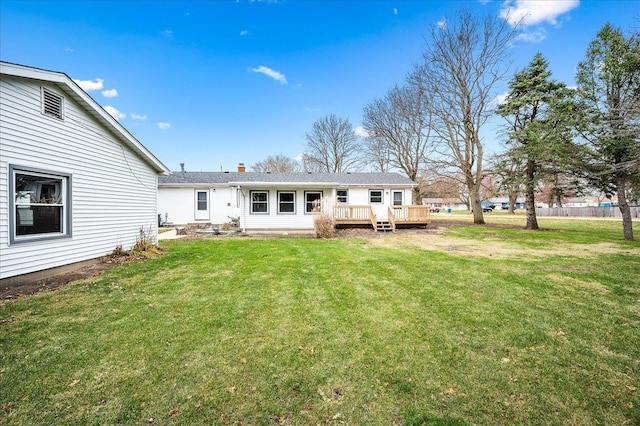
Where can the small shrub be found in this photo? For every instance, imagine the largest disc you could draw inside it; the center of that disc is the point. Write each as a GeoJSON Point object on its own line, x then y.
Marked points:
{"type": "Point", "coordinates": [118, 251]}
{"type": "Point", "coordinates": [234, 221]}
{"type": "Point", "coordinates": [324, 226]}
{"type": "Point", "coordinates": [145, 241]}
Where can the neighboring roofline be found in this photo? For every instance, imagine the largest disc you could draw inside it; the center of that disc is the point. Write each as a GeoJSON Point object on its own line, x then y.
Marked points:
{"type": "Point", "coordinates": [72, 89]}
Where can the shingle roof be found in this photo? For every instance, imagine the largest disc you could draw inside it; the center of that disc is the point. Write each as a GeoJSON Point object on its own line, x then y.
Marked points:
{"type": "Point", "coordinates": [301, 177]}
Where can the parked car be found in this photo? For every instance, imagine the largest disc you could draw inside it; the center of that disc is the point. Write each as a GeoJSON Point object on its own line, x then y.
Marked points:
{"type": "Point", "coordinates": [487, 206]}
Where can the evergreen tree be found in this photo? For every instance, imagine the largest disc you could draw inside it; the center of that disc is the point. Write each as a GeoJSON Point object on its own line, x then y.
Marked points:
{"type": "Point", "coordinates": [609, 93]}
{"type": "Point", "coordinates": [536, 110]}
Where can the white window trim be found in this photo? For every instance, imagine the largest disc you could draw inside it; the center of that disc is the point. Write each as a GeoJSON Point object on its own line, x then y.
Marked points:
{"type": "Point", "coordinates": [287, 202]}
{"type": "Point", "coordinates": [251, 202]}
{"type": "Point", "coordinates": [346, 197]}
{"type": "Point", "coordinates": [65, 193]}
{"type": "Point", "coordinates": [305, 200]}
{"type": "Point", "coordinates": [381, 196]}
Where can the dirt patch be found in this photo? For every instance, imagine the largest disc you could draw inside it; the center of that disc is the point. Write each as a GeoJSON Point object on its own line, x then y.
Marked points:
{"type": "Point", "coordinates": [437, 238]}
{"type": "Point", "coordinates": [60, 280]}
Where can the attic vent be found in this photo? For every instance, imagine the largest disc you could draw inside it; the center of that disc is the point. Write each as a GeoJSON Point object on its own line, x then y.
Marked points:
{"type": "Point", "coordinates": [51, 103]}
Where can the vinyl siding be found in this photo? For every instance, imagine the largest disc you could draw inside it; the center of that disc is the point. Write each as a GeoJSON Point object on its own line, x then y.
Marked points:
{"type": "Point", "coordinates": [180, 203]}
{"type": "Point", "coordinates": [113, 190]}
{"type": "Point", "coordinates": [273, 220]}
{"type": "Point", "coordinates": [302, 220]}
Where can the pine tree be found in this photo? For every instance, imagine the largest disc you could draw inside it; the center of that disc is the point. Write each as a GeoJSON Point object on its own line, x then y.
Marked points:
{"type": "Point", "coordinates": [535, 109]}
{"type": "Point", "coordinates": [609, 92]}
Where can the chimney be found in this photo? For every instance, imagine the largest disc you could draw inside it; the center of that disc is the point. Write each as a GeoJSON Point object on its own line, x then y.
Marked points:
{"type": "Point", "coordinates": [241, 168]}
{"type": "Point", "coordinates": [182, 170]}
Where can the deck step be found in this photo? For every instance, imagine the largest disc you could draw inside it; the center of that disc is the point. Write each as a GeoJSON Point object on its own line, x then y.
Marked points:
{"type": "Point", "coordinates": [383, 226]}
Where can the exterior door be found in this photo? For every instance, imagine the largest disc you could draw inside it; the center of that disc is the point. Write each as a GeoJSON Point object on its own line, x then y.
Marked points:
{"type": "Point", "coordinates": [202, 205]}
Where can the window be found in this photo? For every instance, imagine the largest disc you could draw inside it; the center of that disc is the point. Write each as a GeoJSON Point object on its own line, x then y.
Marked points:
{"type": "Point", "coordinates": [375, 196]}
{"type": "Point", "coordinates": [397, 198]}
{"type": "Point", "coordinates": [342, 196]}
{"type": "Point", "coordinates": [52, 104]}
{"type": "Point", "coordinates": [202, 200]}
{"type": "Point", "coordinates": [312, 201]}
{"type": "Point", "coordinates": [40, 204]}
{"type": "Point", "coordinates": [260, 202]}
{"type": "Point", "coordinates": [286, 202]}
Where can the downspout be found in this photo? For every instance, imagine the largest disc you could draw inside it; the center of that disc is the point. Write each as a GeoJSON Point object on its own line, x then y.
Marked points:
{"type": "Point", "coordinates": [242, 210]}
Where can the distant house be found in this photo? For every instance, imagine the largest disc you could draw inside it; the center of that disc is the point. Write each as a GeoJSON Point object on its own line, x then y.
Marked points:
{"type": "Point", "coordinates": [503, 203]}
{"type": "Point", "coordinates": [282, 201]}
{"type": "Point", "coordinates": [74, 183]}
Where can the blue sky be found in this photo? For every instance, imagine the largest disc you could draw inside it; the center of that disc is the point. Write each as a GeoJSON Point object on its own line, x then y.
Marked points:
{"type": "Point", "coordinates": [216, 83]}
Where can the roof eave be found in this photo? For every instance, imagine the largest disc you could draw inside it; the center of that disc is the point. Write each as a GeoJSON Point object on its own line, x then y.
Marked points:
{"type": "Point", "coordinates": [66, 84]}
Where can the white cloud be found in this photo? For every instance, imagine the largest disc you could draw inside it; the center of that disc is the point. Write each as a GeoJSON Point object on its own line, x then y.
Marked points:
{"type": "Point", "coordinates": [111, 93]}
{"type": "Point", "coordinates": [167, 33]}
{"type": "Point", "coordinates": [535, 36]}
{"type": "Point", "coordinates": [312, 109]}
{"type": "Point", "coordinates": [500, 99]}
{"type": "Point", "coordinates": [395, 10]}
{"type": "Point", "coordinates": [138, 116]}
{"type": "Point", "coordinates": [361, 132]}
{"type": "Point", "coordinates": [244, 32]}
{"type": "Point", "coordinates": [163, 125]}
{"type": "Point", "coordinates": [69, 50]}
{"type": "Point", "coordinates": [114, 112]}
{"type": "Point", "coordinates": [442, 24]}
{"type": "Point", "coordinates": [88, 85]}
{"type": "Point", "coordinates": [532, 12]}
{"type": "Point", "coordinates": [276, 75]}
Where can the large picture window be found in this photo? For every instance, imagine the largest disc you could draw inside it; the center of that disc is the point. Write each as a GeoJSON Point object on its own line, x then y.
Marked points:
{"type": "Point", "coordinates": [312, 201]}
{"type": "Point", "coordinates": [286, 202]}
{"type": "Point", "coordinates": [260, 202]}
{"type": "Point", "coordinates": [40, 204]}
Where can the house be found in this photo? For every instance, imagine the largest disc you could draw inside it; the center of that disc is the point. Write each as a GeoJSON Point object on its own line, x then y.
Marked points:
{"type": "Point", "coordinates": [285, 201]}
{"type": "Point", "coordinates": [74, 183]}
{"type": "Point", "coordinates": [503, 203]}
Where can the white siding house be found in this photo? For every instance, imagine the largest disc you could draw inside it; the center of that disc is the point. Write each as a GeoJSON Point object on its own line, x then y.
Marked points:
{"type": "Point", "coordinates": [74, 183]}
{"type": "Point", "coordinates": [273, 201]}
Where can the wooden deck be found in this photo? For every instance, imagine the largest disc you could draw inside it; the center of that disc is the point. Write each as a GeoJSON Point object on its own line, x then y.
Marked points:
{"type": "Point", "coordinates": [345, 216]}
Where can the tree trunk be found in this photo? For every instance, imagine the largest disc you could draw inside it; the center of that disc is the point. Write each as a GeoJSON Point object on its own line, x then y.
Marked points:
{"type": "Point", "coordinates": [559, 199]}
{"type": "Point", "coordinates": [532, 221]}
{"type": "Point", "coordinates": [415, 196]}
{"type": "Point", "coordinates": [474, 202]}
{"type": "Point", "coordinates": [627, 224]}
{"type": "Point", "coordinates": [512, 203]}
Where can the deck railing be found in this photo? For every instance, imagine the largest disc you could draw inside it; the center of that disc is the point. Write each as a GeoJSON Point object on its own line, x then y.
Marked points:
{"type": "Point", "coordinates": [392, 219]}
{"type": "Point", "coordinates": [410, 214]}
{"type": "Point", "coordinates": [397, 215]}
{"type": "Point", "coordinates": [352, 213]}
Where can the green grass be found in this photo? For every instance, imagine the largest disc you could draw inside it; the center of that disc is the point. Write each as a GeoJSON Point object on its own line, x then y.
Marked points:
{"type": "Point", "coordinates": [353, 331]}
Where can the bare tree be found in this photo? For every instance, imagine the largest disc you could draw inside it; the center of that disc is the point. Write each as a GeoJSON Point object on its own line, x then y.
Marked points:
{"type": "Point", "coordinates": [332, 146]}
{"type": "Point", "coordinates": [375, 152]}
{"type": "Point", "coordinates": [463, 62]}
{"type": "Point", "coordinates": [400, 124]}
{"type": "Point", "coordinates": [277, 163]}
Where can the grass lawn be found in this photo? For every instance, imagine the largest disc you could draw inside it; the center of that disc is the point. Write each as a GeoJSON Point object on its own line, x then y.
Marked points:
{"type": "Point", "coordinates": [467, 325]}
